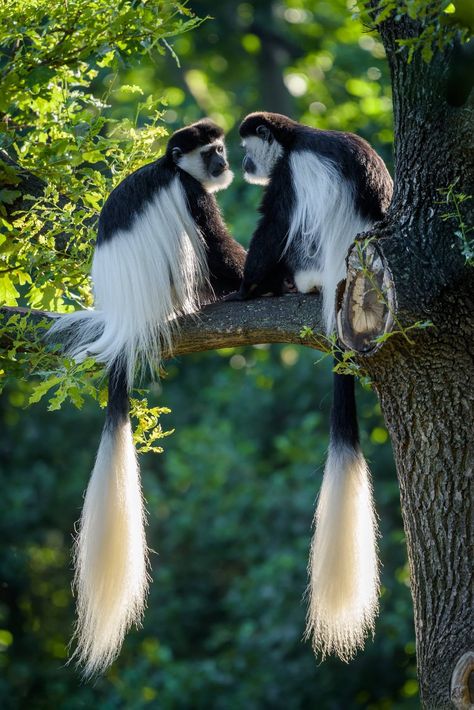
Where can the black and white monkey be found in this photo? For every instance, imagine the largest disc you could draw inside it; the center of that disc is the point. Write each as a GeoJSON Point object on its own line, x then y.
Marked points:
{"type": "Point", "coordinates": [322, 189]}
{"type": "Point", "coordinates": [162, 250]}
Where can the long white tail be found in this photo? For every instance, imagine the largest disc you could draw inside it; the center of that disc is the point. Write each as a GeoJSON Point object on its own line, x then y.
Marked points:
{"type": "Point", "coordinates": [343, 567]}
{"type": "Point", "coordinates": [111, 578]}
{"type": "Point", "coordinates": [145, 276]}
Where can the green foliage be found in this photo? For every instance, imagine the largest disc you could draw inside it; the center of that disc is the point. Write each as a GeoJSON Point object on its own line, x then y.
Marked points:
{"type": "Point", "coordinates": [55, 123]}
{"type": "Point", "coordinates": [345, 364]}
{"type": "Point", "coordinates": [439, 22]}
{"type": "Point", "coordinates": [307, 58]}
{"type": "Point", "coordinates": [453, 201]}
{"type": "Point", "coordinates": [229, 508]}
{"type": "Point", "coordinates": [148, 429]}
{"type": "Point", "coordinates": [404, 330]}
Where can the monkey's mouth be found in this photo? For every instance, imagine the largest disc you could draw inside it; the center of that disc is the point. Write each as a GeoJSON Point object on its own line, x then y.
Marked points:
{"type": "Point", "coordinates": [248, 165]}
{"type": "Point", "coordinates": [219, 179]}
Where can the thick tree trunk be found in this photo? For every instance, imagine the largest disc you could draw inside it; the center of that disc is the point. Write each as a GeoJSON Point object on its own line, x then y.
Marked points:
{"type": "Point", "coordinates": [426, 386]}
{"type": "Point", "coordinates": [427, 397]}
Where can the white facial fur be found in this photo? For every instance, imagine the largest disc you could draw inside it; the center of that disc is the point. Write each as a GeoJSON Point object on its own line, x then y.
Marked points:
{"type": "Point", "coordinates": [193, 164]}
{"type": "Point", "coordinates": [264, 155]}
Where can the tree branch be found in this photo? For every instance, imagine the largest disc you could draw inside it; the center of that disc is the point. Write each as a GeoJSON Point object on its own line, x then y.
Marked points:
{"type": "Point", "coordinates": [229, 324]}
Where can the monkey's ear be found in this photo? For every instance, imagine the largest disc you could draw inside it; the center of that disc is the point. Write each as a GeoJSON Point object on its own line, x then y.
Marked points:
{"type": "Point", "coordinates": [176, 154]}
{"type": "Point", "coordinates": [264, 133]}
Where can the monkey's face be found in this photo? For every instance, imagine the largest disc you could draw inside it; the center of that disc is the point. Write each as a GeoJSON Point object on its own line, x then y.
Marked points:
{"type": "Point", "coordinates": [261, 154]}
{"type": "Point", "coordinates": [207, 164]}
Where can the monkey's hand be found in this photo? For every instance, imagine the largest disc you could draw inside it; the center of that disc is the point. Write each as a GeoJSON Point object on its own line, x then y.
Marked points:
{"type": "Point", "coordinates": [289, 286]}
{"type": "Point", "coordinates": [244, 293]}
{"type": "Point", "coordinates": [235, 296]}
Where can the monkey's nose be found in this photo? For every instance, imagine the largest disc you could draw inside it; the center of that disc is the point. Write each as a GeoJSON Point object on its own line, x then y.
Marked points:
{"type": "Point", "coordinates": [248, 165]}
{"type": "Point", "coordinates": [219, 166]}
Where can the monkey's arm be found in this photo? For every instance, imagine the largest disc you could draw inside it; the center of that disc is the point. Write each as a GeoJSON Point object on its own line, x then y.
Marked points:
{"type": "Point", "coordinates": [225, 256]}
{"type": "Point", "coordinates": [265, 267]}
{"type": "Point", "coordinates": [264, 270]}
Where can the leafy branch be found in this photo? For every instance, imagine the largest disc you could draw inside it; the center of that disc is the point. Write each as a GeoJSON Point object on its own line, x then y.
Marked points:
{"type": "Point", "coordinates": [345, 362]}
{"type": "Point", "coordinates": [453, 200]}
{"type": "Point", "coordinates": [434, 24]}
{"type": "Point", "coordinates": [148, 428]}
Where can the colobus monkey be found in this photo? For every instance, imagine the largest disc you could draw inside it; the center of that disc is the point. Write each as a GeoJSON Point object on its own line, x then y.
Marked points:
{"type": "Point", "coordinates": [322, 189]}
{"type": "Point", "coordinates": [162, 249]}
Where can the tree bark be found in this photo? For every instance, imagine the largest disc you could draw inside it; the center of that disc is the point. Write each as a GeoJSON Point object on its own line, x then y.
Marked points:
{"type": "Point", "coordinates": [226, 324]}
{"type": "Point", "coordinates": [424, 378]}
{"type": "Point", "coordinates": [427, 399]}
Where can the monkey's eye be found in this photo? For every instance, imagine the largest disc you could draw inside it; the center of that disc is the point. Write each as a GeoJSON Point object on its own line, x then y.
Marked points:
{"type": "Point", "coordinates": [176, 153]}
{"type": "Point", "coordinates": [220, 148]}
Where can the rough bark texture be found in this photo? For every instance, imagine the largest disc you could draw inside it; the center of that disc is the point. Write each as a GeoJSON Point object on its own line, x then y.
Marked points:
{"type": "Point", "coordinates": [229, 324]}
{"type": "Point", "coordinates": [427, 397]}
{"type": "Point", "coordinates": [426, 389]}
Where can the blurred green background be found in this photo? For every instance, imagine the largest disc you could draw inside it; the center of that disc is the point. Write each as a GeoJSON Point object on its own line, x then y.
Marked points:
{"type": "Point", "coordinates": [231, 500]}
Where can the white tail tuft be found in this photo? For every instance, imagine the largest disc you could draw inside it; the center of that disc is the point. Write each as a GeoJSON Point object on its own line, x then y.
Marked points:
{"type": "Point", "coordinates": [343, 567]}
{"type": "Point", "coordinates": [111, 578]}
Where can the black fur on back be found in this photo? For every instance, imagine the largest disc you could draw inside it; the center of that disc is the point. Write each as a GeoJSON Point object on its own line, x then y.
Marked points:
{"type": "Point", "coordinates": [358, 163]}
{"type": "Point", "coordinates": [131, 196]}
{"type": "Point", "coordinates": [356, 160]}
{"type": "Point", "coordinates": [137, 189]}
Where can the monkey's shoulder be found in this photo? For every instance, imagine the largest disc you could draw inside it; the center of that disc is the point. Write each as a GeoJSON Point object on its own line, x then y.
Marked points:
{"type": "Point", "coordinates": [341, 147]}
{"type": "Point", "coordinates": [132, 195]}
{"type": "Point", "coordinates": [357, 163]}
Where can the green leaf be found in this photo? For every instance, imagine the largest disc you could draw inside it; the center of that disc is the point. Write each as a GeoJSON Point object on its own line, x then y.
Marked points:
{"type": "Point", "coordinates": [8, 292]}
{"type": "Point", "coordinates": [427, 53]}
{"type": "Point", "coordinates": [43, 388]}
{"type": "Point", "coordinates": [9, 196]}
